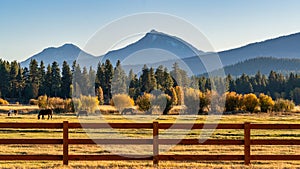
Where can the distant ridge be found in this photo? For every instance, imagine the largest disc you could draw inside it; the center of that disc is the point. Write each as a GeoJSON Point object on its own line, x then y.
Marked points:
{"type": "Point", "coordinates": [264, 65]}
{"type": "Point", "coordinates": [285, 48]}
{"type": "Point", "coordinates": [67, 52]}
{"type": "Point", "coordinates": [281, 47]}
{"type": "Point", "coordinates": [155, 40]}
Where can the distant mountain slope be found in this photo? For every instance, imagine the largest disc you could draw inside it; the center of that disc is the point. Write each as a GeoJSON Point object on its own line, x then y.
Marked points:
{"type": "Point", "coordinates": [67, 52]}
{"type": "Point", "coordinates": [281, 47]}
{"type": "Point", "coordinates": [264, 65]}
{"type": "Point", "coordinates": [158, 43]}
{"type": "Point", "coordinates": [154, 40]}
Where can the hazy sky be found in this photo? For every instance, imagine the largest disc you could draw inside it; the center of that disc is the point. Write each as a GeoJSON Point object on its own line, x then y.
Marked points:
{"type": "Point", "coordinates": [29, 26]}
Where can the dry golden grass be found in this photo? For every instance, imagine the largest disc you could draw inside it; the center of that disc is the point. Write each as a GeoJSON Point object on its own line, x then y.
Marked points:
{"type": "Point", "coordinates": [179, 149]}
{"type": "Point", "coordinates": [18, 107]}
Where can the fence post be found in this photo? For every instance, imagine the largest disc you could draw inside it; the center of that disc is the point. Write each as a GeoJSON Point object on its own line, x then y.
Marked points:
{"type": "Point", "coordinates": [247, 142]}
{"type": "Point", "coordinates": [155, 143]}
{"type": "Point", "coordinates": [65, 143]}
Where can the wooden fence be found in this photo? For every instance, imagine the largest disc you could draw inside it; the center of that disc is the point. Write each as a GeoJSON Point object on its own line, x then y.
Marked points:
{"type": "Point", "coordinates": [155, 141]}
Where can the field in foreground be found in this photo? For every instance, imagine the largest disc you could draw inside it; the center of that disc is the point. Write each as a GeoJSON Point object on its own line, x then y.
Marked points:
{"type": "Point", "coordinates": [88, 149]}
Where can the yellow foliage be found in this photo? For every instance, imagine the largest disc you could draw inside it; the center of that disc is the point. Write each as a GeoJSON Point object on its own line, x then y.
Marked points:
{"type": "Point", "coordinates": [121, 101]}
{"type": "Point", "coordinates": [233, 101]}
{"type": "Point", "coordinates": [3, 102]}
{"type": "Point", "coordinates": [250, 102]}
{"type": "Point", "coordinates": [266, 103]}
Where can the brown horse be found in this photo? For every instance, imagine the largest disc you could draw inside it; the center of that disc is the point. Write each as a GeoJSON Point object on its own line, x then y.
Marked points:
{"type": "Point", "coordinates": [129, 110]}
{"type": "Point", "coordinates": [82, 113]}
{"type": "Point", "coordinates": [43, 112]}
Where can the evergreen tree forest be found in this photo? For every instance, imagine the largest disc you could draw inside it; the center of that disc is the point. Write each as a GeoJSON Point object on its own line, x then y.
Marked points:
{"type": "Point", "coordinates": [65, 81]}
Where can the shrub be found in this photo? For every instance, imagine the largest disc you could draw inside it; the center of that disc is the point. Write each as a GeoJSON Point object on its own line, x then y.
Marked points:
{"type": "Point", "coordinates": [43, 101]}
{"type": "Point", "coordinates": [174, 96]}
{"type": "Point", "coordinates": [163, 102]}
{"type": "Point", "coordinates": [77, 104]}
{"type": "Point", "coordinates": [250, 102]}
{"type": "Point", "coordinates": [121, 101]}
{"type": "Point", "coordinates": [282, 105]}
{"type": "Point", "coordinates": [266, 103]}
{"type": "Point", "coordinates": [99, 93]}
{"type": "Point", "coordinates": [215, 101]}
{"type": "Point", "coordinates": [233, 101]}
{"type": "Point", "coordinates": [69, 106]}
{"type": "Point", "coordinates": [205, 101]}
{"type": "Point", "coordinates": [3, 102]}
{"type": "Point", "coordinates": [89, 103]}
{"type": "Point", "coordinates": [144, 102]}
{"type": "Point", "coordinates": [180, 95]}
{"type": "Point", "coordinates": [56, 102]}
{"type": "Point", "coordinates": [33, 102]}
{"type": "Point", "coordinates": [191, 100]}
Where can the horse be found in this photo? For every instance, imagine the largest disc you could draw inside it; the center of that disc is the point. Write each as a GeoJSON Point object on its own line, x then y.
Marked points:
{"type": "Point", "coordinates": [129, 110]}
{"type": "Point", "coordinates": [43, 112]}
{"type": "Point", "coordinates": [10, 112]}
{"type": "Point", "coordinates": [82, 112]}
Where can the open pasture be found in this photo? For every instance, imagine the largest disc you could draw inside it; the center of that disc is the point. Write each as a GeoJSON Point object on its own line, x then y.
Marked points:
{"type": "Point", "coordinates": [144, 149]}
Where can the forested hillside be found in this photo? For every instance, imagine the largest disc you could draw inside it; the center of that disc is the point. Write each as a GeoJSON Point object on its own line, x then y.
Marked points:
{"type": "Point", "coordinates": [264, 65]}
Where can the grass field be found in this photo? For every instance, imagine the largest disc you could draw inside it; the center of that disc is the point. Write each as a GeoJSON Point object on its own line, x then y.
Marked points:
{"type": "Point", "coordinates": [144, 133]}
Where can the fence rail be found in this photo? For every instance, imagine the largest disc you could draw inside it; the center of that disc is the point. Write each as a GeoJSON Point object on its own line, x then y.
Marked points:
{"type": "Point", "coordinates": [155, 141]}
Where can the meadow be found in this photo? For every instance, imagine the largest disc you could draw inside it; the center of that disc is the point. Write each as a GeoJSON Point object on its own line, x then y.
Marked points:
{"type": "Point", "coordinates": [145, 149]}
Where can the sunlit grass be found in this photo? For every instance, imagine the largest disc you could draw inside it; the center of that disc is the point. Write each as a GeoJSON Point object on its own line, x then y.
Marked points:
{"type": "Point", "coordinates": [147, 133]}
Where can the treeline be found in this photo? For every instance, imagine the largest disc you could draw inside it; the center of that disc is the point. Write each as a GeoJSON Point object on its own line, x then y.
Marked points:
{"type": "Point", "coordinates": [275, 85]}
{"type": "Point", "coordinates": [24, 84]}
{"type": "Point", "coordinates": [264, 65]}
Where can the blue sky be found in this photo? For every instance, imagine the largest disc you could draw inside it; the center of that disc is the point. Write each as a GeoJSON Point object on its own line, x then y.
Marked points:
{"type": "Point", "coordinates": [29, 26]}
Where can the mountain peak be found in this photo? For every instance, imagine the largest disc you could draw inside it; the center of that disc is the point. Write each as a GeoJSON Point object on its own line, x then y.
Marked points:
{"type": "Point", "coordinates": [155, 40]}
{"type": "Point", "coordinates": [68, 45]}
{"type": "Point", "coordinates": [67, 52]}
{"type": "Point", "coordinates": [153, 31]}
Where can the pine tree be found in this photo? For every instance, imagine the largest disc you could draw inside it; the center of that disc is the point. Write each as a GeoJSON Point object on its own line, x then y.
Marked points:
{"type": "Point", "coordinates": [130, 77]}
{"type": "Point", "coordinates": [202, 83]}
{"type": "Point", "coordinates": [160, 77]}
{"type": "Point", "coordinates": [243, 85]}
{"type": "Point", "coordinates": [84, 82]}
{"type": "Point", "coordinates": [134, 87]}
{"type": "Point", "coordinates": [48, 81]}
{"type": "Point", "coordinates": [119, 80]}
{"type": "Point", "coordinates": [194, 82]}
{"type": "Point", "coordinates": [66, 81]}
{"type": "Point", "coordinates": [32, 86]}
{"type": "Point", "coordinates": [42, 75]}
{"type": "Point", "coordinates": [92, 77]}
{"type": "Point", "coordinates": [231, 83]}
{"type": "Point", "coordinates": [14, 69]}
{"type": "Point", "coordinates": [20, 83]}
{"type": "Point", "coordinates": [176, 74]}
{"type": "Point", "coordinates": [168, 79]}
{"type": "Point", "coordinates": [152, 82]}
{"type": "Point", "coordinates": [56, 80]}
{"type": "Point", "coordinates": [108, 75]}
{"type": "Point", "coordinates": [4, 74]}
{"type": "Point", "coordinates": [76, 80]}
{"type": "Point", "coordinates": [144, 79]}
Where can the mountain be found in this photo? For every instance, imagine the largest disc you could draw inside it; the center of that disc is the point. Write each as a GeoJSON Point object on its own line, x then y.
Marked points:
{"type": "Point", "coordinates": [264, 65]}
{"type": "Point", "coordinates": [67, 52]}
{"type": "Point", "coordinates": [157, 48]}
{"type": "Point", "coordinates": [154, 42]}
{"type": "Point", "coordinates": [281, 47]}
